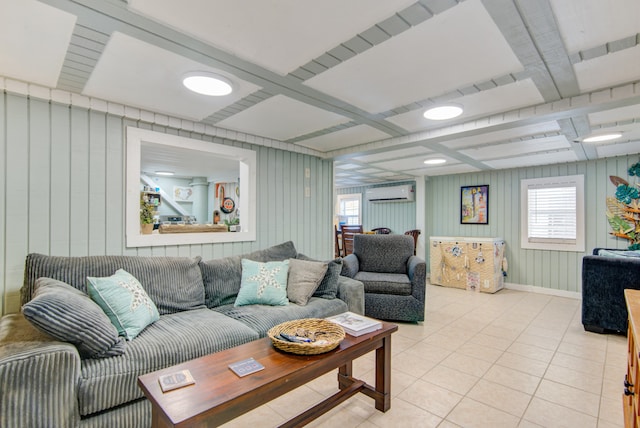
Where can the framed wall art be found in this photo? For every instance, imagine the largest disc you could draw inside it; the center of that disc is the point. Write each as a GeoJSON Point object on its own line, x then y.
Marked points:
{"type": "Point", "coordinates": [474, 204]}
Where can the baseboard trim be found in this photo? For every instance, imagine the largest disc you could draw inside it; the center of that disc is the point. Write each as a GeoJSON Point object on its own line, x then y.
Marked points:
{"type": "Point", "coordinates": [541, 290]}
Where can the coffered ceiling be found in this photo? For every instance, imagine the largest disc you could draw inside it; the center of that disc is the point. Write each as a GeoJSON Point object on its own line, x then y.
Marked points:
{"type": "Point", "coordinates": [350, 80]}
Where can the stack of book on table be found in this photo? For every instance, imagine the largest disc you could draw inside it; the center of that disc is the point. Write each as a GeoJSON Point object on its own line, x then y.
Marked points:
{"type": "Point", "coordinates": [354, 324]}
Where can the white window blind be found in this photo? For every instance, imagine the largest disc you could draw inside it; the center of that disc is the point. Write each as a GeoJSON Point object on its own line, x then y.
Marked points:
{"type": "Point", "coordinates": [552, 212]}
{"type": "Point", "coordinates": [349, 208]}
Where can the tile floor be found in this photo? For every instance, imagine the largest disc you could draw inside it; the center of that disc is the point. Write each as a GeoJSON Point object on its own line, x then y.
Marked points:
{"type": "Point", "coordinates": [511, 359]}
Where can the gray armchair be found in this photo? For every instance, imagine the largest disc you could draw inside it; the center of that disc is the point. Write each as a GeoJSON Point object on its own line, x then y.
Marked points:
{"type": "Point", "coordinates": [394, 279]}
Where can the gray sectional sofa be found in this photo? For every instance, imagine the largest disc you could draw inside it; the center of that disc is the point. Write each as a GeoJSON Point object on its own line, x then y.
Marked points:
{"type": "Point", "coordinates": [47, 383]}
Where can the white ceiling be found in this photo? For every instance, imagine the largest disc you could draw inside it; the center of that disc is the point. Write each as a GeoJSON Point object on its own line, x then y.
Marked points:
{"type": "Point", "coordinates": [350, 80]}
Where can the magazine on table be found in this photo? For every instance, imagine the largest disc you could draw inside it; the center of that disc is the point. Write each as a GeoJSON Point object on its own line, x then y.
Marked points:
{"type": "Point", "coordinates": [354, 324]}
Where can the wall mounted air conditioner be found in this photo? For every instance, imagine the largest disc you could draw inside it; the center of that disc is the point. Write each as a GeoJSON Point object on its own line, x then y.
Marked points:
{"type": "Point", "coordinates": [403, 193]}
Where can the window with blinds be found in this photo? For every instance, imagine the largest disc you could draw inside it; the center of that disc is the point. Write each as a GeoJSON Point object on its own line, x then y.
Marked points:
{"type": "Point", "coordinates": [349, 209]}
{"type": "Point", "coordinates": [553, 213]}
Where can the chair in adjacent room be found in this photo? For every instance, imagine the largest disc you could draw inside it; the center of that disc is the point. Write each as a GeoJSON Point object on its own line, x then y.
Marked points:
{"type": "Point", "coordinates": [381, 230]}
{"type": "Point", "coordinates": [394, 279]}
{"type": "Point", "coordinates": [336, 234]}
{"type": "Point", "coordinates": [414, 233]}
{"type": "Point", "coordinates": [348, 232]}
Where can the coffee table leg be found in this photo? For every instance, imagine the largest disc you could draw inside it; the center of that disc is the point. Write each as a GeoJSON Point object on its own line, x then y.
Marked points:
{"type": "Point", "coordinates": [345, 371]}
{"type": "Point", "coordinates": [383, 375]}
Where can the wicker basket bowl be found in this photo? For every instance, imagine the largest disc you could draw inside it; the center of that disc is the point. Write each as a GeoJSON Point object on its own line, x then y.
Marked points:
{"type": "Point", "coordinates": [325, 335]}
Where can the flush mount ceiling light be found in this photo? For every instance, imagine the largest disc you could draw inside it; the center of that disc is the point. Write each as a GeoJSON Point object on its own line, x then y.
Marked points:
{"type": "Point", "coordinates": [435, 161]}
{"type": "Point", "coordinates": [164, 173]}
{"type": "Point", "coordinates": [443, 112]}
{"type": "Point", "coordinates": [602, 137]}
{"type": "Point", "coordinates": [206, 83]}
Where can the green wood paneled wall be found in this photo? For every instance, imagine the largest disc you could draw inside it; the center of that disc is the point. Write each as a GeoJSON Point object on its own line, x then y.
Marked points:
{"type": "Point", "coordinates": [62, 190]}
{"type": "Point", "coordinates": [397, 216]}
{"type": "Point", "coordinates": [558, 270]}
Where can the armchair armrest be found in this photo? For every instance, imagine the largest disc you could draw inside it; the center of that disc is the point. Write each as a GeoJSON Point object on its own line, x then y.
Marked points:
{"type": "Point", "coordinates": [38, 377]}
{"type": "Point", "coordinates": [417, 272]}
{"type": "Point", "coordinates": [351, 292]}
{"type": "Point", "coordinates": [350, 266]}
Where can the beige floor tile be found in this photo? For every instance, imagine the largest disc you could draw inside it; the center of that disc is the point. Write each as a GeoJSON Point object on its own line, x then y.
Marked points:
{"type": "Point", "coordinates": [451, 379]}
{"type": "Point", "coordinates": [554, 334]}
{"type": "Point", "coordinates": [574, 378]}
{"type": "Point", "coordinates": [576, 399]}
{"type": "Point", "coordinates": [548, 343]}
{"type": "Point", "coordinates": [432, 398]}
{"type": "Point", "coordinates": [466, 364]}
{"type": "Point", "coordinates": [263, 416]}
{"type": "Point", "coordinates": [612, 389]}
{"type": "Point", "coordinates": [514, 379]}
{"type": "Point", "coordinates": [611, 411]}
{"type": "Point", "coordinates": [526, 424]}
{"type": "Point", "coordinates": [530, 351]}
{"type": "Point", "coordinates": [593, 368]}
{"type": "Point", "coordinates": [295, 402]}
{"type": "Point", "coordinates": [551, 415]}
{"type": "Point", "coordinates": [412, 364]}
{"type": "Point", "coordinates": [404, 414]}
{"type": "Point", "coordinates": [428, 352]}
{"type": "Point", "coordinates": [480, 352]}
{"type": "Point", "coordinates": [523, 364]}
{"type": "Point", "coordinates": [446, 340]}
{"type": "Point", "coordinates": [606, 424]}
{"type": "Point", "coordinates": [399, 380]}
{"type": "Point", "coordinates": [491, 341]}
{"type": "Point", "coordinates": [505, 332]}
{"type": "Point", "coordinates": [589, 352]}
{"type": "Point", "coordinates": [401, 343]}
{"type": "Point", "coordinates": [448, 424]}
{"type": "Point", "coordinates": [501, 397]}
{"type": "Point", "coordinates": [473, 414]}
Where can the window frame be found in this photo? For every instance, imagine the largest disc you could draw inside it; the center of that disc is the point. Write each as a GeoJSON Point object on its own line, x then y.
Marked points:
{"type": "Point", "coordinates": [349, 196]}
{"type": "Point", "coordinates": [541, 243]}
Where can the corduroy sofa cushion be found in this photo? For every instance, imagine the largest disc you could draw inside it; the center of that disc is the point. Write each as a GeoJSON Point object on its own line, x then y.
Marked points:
{"type": "Point", "coordinates": [261, 317]}
{"type": "Point", "coordinates": [174, 338]}
{"type": "Point", "coordinates": [173, 283]}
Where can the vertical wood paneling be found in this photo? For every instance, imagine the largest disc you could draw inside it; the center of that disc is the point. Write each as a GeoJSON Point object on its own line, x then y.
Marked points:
{"type": "Point", "coordinates": [79, 213]}
{"type": "Point", "coordinates": [39, 174]}
{"type": "Point", "coordinates": [97, 183]}
{"type": "Point", "coordinates": [60, 180]}
{"type": "Point", "coordinates": [17, 188]}
{"type": "Point", "coordinates": [62, 191]}
{"type": "Point", "coordinates": [3, 198]}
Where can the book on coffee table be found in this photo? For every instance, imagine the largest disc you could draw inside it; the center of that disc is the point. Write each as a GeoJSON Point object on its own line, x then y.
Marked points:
{"type": "Point", "coordinates": [175, 380]}
{"type": "Point", "coordinates": [246, 367]}
{"type": "Point", "coordinates": [354, 324]}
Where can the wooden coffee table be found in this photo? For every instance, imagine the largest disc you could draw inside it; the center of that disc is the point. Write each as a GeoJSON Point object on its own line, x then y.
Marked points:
{"type": "Point", "coordinates": [219, 395]}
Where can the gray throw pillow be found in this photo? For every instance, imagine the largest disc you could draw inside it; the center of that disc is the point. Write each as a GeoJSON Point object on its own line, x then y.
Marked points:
{"type": "Point", "coordinates": [304, 278]}
{"type": "Point", "coordinates": [328, 288]}
{"type": "Point", "coordinates": [69, 315]}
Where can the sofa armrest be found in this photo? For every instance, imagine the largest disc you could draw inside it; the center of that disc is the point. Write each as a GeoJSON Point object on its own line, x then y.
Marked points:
{"type": "Point", "coordinates": [417, 272]}
{"type": "Point", "coordinates": [352, 293]}
{"type": "Point", "coordinates": [38, 377]}
{"type": "Point", "coordinates": [350, 266]}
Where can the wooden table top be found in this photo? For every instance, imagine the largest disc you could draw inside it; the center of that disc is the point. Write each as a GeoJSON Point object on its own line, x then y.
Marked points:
{"type": "Point", "coordinates": [217, 387]}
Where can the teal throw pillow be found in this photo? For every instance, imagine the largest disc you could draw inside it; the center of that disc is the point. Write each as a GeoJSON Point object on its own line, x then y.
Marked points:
{"type": "Point", "coordinates": [263, 283]}
{"type": "Point", "coordinates": [125, 302]}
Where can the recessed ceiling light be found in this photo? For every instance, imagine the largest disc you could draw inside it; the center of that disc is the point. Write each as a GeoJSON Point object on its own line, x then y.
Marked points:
{"type": "Point", "coordinates": [602, 137]}
{"type": "Point", "coordinates": [164, 173]}
{"type": "Point", "coordinates": [206, 83]}
{"type": "Point", "coordinates": [435, 161]}
{"type": "Point", "coordinates": [443, 112]}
